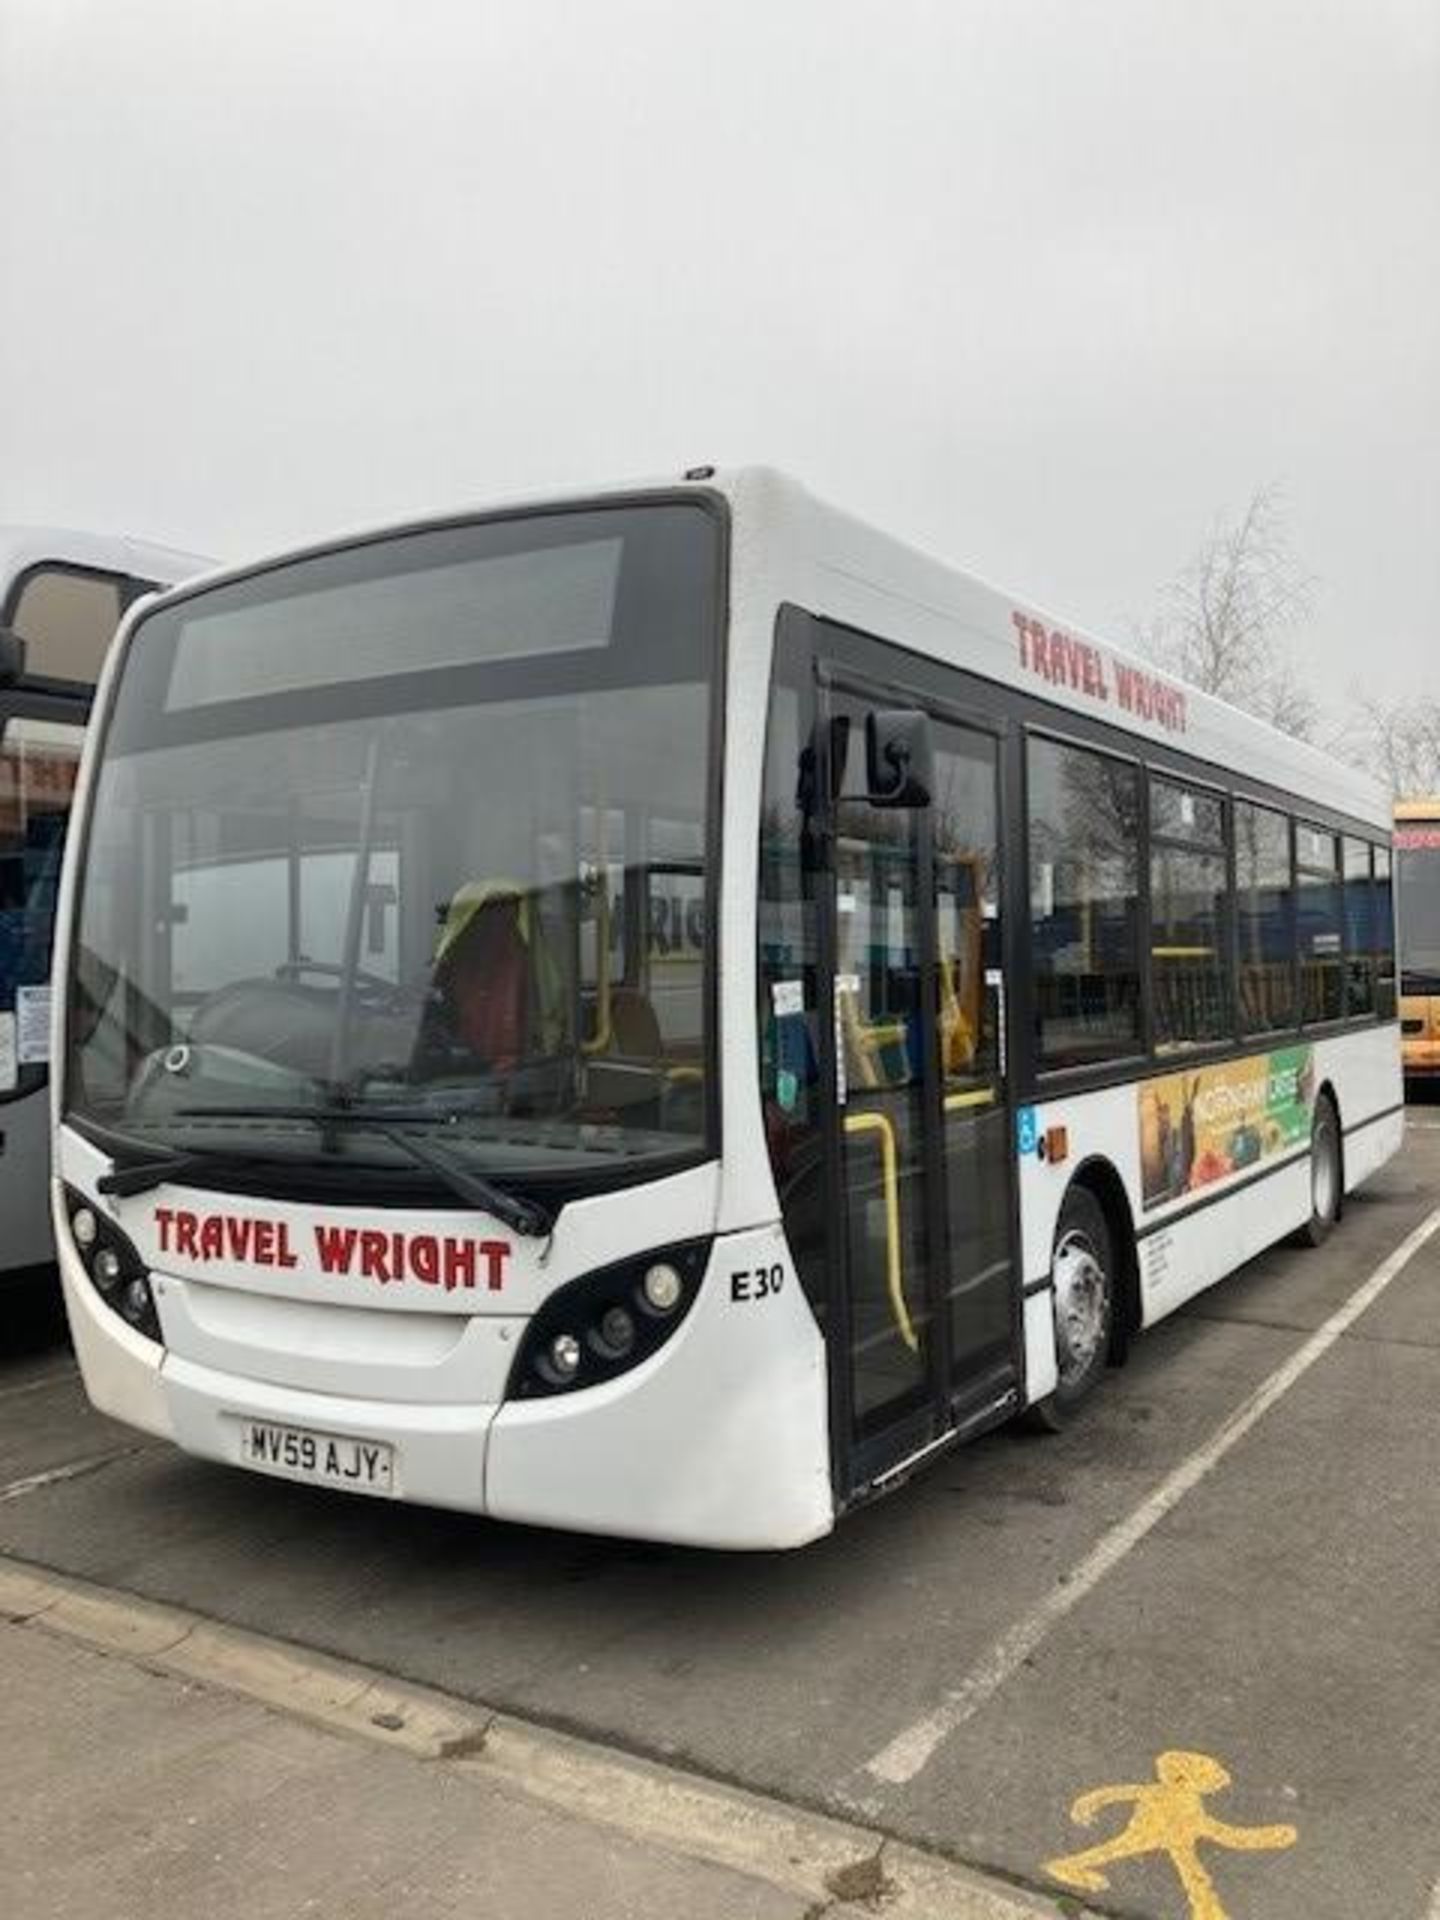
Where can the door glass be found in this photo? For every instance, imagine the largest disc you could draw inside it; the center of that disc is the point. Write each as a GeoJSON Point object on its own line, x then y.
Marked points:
{"type": "Point", "coordinates": [971, 1039]}
{"type": "Point", "coordinates": [880, 1037]}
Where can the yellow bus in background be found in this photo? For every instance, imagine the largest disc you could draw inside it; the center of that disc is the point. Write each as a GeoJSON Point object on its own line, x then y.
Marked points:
{"type": "Point", "coordinates": [1417, 881]}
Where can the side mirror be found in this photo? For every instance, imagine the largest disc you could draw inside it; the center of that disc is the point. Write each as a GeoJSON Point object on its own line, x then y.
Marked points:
{"type": "Point", "coordinates": [899, 758]}
{"type": "Point", "coordinates": [12, 657]}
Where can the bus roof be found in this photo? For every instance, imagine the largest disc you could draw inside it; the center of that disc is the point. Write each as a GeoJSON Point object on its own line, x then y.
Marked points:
{"type": "Point", "coordinates": [23, 547]}
{"type": "Point", "coordinates": [791, 546]}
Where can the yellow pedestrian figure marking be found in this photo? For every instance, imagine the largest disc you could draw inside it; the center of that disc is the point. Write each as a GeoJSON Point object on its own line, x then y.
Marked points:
{"type": "Point", "coordinates": [1169, 1818]}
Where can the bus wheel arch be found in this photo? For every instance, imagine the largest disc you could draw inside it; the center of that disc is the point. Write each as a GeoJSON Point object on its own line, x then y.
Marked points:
{"type": "Point", "coordinates": [1093, 1251]}
{"type": "Point", "coordinates": [1101, 1179]}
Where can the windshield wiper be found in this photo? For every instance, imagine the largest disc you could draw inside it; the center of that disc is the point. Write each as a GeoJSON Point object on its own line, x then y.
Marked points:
{"type": "Point", "coordinates": [519, 1214]}
{"type": "Point", "coordinates": [160, 1165]}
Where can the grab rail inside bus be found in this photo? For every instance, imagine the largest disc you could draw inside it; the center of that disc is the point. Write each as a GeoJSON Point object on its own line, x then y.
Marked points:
{"type": "Point", "coordinates": [877, 1124]}
{"type": "Point", "coordinates": [977, 1097]}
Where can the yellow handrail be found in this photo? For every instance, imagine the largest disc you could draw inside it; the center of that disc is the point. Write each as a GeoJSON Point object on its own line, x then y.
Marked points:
{"type": "Point", "coordinates": [890, 1183]}
{"type": "Point", "coordinates": [979, 1097]}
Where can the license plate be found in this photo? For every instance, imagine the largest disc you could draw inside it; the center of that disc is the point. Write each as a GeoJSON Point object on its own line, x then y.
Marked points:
{"type": "Point", "coordinates": [328, 1459]}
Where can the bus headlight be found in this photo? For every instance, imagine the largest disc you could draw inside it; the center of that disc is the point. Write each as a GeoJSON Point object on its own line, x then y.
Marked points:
{"type": "Point", "coordinates": [115, 1269]}
{"type": "Point", "coordinates": [663, 1287]}
{"type": "Point", "coordinates": [606, 1322]}
{"type": "Point", "coordinates": [564, 1355]}
{"type": "Point", "coordinates": [106, 1268]}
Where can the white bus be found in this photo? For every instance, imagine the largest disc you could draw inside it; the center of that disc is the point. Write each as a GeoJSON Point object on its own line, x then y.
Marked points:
{"type": "Point", "coordinates": [656, 1012]}
{"type": "Point", "coordinates": [62, 594]}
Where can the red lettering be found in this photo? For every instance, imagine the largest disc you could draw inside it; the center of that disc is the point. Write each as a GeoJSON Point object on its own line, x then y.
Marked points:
{"type": "Point", "coordinates": [374, 1255]}
{"type": "Point", "coordinates": [496, 1253]}
{"type": "Point", "coordinates": [1022, 628]}
{"type": "Point", "coordinates": [425, 1258]}
{"type": "Point", "coordinates": [459, 1264]}
{"type": "Point", "coordinates": [264, 1243]}
{"type": "Point", "coordinates": [185, 1228]}
{"type": "Point", "coordinates": [285, 1254]}
{"type": "Point", "coordinates": [212, 1237]}
{"type": "Point", "coordinates": [336, 1248]}
{"type": "Point", "coordinates": [238, 1234]}
{"type": "Point", "coordinates": [1057, 656]}
{"type": "Point", "coordinates": [164, 1217]}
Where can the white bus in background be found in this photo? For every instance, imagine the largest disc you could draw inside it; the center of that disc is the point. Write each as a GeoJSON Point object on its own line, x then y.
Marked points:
{"type": "Point", "coordinates": [658, 1012]}
{"type": "Point", "coordinates": [62, 594]}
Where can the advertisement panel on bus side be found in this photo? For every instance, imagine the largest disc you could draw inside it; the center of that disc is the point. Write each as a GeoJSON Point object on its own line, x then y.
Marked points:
{"type": "Point", "coordinates": [1203, 1125]}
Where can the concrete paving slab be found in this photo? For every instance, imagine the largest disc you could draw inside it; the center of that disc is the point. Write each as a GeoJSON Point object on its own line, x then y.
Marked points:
{"type": "Point", "coordinates": [145, 1799]}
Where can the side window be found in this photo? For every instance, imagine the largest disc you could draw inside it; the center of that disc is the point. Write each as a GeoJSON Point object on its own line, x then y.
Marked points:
{"type": "Point", "coordinates": [1320, 923]}
{"type": "Point", "coordinates": [1264, 899]}
{"type": "Point", "coordinates": [68, 618]}
{"type": "Point", "coordinates": [38, 759]}
{"type": "Point", "coordinates": [1384, 936]}
{"type": "Point", "coordinates": [1359, 929]}
{"type": "Point", "coordinates": [1084, 891]}
{"type": "Point", "coordinates": [1189, 917]}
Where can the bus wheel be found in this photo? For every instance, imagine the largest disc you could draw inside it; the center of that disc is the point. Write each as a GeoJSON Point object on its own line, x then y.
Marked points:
{"type": "Point", "coordinates": [1082, 1271]}
{"type": "Point", "coordinates": [1325, 1177]}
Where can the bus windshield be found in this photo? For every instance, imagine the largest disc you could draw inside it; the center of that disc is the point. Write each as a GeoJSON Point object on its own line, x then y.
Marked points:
{"type": "Point", "coordinates": [413, 834]}
{"type": "Point", "coordinates": [1418, 893]}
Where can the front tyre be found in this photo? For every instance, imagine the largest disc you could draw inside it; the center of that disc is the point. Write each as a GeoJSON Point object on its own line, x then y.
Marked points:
{"type": "Point", "coordinates": [1083, 1278]}
{"type": "Point", "coordinates": [1326, 1178]}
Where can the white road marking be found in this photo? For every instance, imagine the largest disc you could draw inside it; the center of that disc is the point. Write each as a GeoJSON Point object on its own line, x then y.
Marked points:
{"type": "Point", "coordinates": [1432, 1908]}
{"type": "Point", "coordinates": [72, 1470]}
{"type": "Point", "coordinates": [904, 1756]}
{"type": "Point", "coordinates": [34, 1386]}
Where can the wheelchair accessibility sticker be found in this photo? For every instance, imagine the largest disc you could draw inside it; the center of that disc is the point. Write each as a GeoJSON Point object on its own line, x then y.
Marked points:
{"type": "Point", "coordinates": [1027, 1130]}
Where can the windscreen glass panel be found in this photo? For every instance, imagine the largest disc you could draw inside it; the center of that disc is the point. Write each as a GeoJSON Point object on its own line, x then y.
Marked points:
{"type": "Point", "coordinates": [1417, 879]}
{"type": "Point", "coordinates": [418, 829]}
{"type": "Point", "coordinates": [38, 759]}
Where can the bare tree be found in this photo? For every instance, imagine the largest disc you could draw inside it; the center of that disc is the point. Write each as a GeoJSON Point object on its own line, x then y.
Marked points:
{"type": "Point", "coordinates": [1399, 743]}
{"type": "Point", "coordinates": [1222, 625]}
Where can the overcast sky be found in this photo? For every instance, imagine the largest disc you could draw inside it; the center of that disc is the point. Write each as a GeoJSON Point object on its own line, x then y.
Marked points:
{"type": "Point", "coordinates": [1041, 285]}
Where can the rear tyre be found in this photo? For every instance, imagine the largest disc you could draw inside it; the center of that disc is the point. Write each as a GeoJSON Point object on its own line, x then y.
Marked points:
{"type": "Point", "coordinates": [1326, 1182]}
{"type": "Point", "coordinates": [1083, 1272]}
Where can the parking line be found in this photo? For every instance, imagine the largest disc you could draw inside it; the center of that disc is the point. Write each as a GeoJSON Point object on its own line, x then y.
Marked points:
{"type": "Point", "coordinates": [45, 1380]}
{"type": "Point", "coordinates": [903, 1757]}
{"type": "Point", "coordinates": [72, 1470]}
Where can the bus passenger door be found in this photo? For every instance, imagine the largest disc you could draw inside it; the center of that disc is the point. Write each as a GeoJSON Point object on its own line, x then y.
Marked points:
{"type": "Point", "coordinates": [922, 1321]}
{"type": "Point", "coordinates": [980, 1295]}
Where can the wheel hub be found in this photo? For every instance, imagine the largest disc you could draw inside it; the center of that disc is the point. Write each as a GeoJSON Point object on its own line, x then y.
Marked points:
{"type": "Point", "coordinates": [1082, 1290]}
